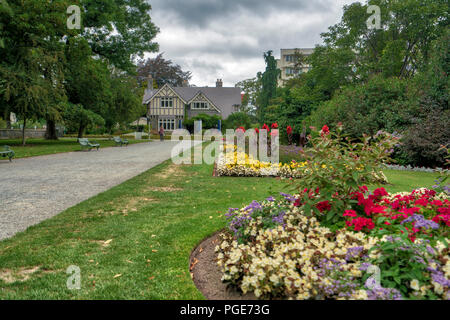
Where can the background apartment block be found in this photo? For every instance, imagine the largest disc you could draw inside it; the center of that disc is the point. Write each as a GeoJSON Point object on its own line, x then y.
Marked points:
{"type": "Point", "coordinates": [286, 63]}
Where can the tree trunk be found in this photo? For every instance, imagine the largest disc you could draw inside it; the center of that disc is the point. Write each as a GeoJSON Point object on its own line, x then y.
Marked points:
{"type": "Point", "coordinates": [80, 131]}
{"type": "Point", "coordinates": [8, 119]}
{"type": "Point", "coordinates": [23, 131]}
{"type": "Point", "coordinates": [50, 133]}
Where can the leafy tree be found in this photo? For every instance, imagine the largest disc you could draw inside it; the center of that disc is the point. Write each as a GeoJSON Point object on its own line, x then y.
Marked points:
{"type": "Point", "coordinates": [268, 84]}
{"type": "Point", "coordinates": [162, 71]}
{"type": "Point", "coordinates": [87, 80]}
{"type": "Point", "coordinates": [32, 55]}
{"type": "Point", "coordinates": [77, 118]}
{"type": "Point", "coordinates": [126, 105]}
{"type": "Point", "coordinates": [119, 30]}
{"type": "Point", "coordinates": [380, 104]}
{"type": "Point", "coordinates": [402, 44]}
{"type": "Point", "coordinates": [252, 90]}
{"type": "Point", "coordinates": [5, 11]}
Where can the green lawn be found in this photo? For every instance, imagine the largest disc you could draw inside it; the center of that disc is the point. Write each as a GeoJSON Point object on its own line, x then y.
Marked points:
{"type": "Point", "coordinates": [40, 147]}
{"type": "Point", "coordinates": [134, 241]}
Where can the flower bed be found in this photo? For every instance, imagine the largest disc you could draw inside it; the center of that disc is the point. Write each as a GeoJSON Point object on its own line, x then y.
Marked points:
{"type": "Point", "coordinates": [228, 164]}
{"type": "Point", "coordinates": [282, 249]}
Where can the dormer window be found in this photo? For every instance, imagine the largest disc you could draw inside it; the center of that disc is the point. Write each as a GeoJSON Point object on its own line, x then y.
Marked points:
{"type": "Point", "coordinates": [166, 102]}
{"type": "Point", "coordinates": [200, 105]}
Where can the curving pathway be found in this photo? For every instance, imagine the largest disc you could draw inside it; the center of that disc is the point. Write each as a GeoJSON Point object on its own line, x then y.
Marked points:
{"type": "Point", "coordinates": [35, 189]}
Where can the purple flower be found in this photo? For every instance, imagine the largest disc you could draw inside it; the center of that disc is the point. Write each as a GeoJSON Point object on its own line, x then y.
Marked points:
{"type": "Point", "coordinates": [288, 197]}
{"type": "Point", "coordinates": [253, 206]}
{"type": "Point", "coordinates": [421, 222]}
{"type": "Point", "coordinates": [353, 252]}
{"type": "Point", "coordinates": [271, 199]}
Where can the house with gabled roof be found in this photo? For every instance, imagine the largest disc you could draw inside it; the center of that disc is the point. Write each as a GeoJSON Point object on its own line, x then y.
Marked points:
{"type": "Point", "coordinates": [170, 106]}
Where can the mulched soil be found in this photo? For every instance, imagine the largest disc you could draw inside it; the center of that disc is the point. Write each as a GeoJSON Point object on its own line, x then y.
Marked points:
{"type": "Point", "coordinates": [206, 273]}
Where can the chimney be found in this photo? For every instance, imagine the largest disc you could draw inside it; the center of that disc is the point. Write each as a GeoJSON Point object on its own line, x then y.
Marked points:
{"type": "Point", "coordinates": [219, 83]}
{"type": "Point", "coordinates": [185, 83]}
{"type": "Point", "coordinates": [150, 82]}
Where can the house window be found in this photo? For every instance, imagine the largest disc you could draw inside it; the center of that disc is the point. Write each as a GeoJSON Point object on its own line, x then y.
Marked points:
{"type": "Point", "coordinates": [200, 105]}
{"type": "Point", "coordinates": [289, 58]}
{"type": "Point", "coordinates": [166, 102]}
{"type": "Point", "coordinates": [167, 124]}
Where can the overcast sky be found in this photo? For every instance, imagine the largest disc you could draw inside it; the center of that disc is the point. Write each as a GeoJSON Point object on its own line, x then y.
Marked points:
{"type": "Point", "coordinates": [226, 38]}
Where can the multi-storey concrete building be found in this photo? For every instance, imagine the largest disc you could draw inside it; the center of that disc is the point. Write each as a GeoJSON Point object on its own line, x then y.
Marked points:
{"type": "Point", "coordinates": [287, 61]}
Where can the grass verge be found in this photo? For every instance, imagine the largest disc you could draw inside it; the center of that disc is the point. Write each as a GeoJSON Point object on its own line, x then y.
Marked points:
{"type": "Point", "coordinates": [40, 147]}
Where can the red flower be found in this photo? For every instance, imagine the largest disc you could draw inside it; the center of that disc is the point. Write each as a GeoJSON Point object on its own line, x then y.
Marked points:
{"type": "Point", "coordinates": [421, 202]}
{"type": "Point", "coordinates": [256, 130]}
{"type": "Point", "coordinates": [350, 213]}
{"type": "Point", "coordinates": [240, 129]}
{"type": "Point", "coordinates": [437, 203]}
{"type": "Point", "coordinates": [360, 223]}
{"type": "Point", "coordinates": [274, 125]}
{"type": "Point", "coordinates": [265, 127]}
{"type": "Point", "coordinates": [324, 205]}
{"type": "Point", "coordinates": [380, 192]}
{"type": "Point", "coordinates": [289, 130]}
{"type": "Point", "coordinates": [298, 203]}
{"type": "Point", "coordinates": [325, 131]}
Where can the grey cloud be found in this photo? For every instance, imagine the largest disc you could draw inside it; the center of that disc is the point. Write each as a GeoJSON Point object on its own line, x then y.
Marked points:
{"type": "Point", "coordinates": [227, 38]}
{"type": "Point", "coordinates": [200, 13]}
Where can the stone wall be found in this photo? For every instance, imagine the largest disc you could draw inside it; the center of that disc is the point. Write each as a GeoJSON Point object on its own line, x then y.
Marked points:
{"type": "Point", "coordinates": [17, 133]}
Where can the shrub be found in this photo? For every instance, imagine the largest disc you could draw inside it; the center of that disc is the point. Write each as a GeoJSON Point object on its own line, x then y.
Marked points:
{"type": "Point", "coordinates": [337, 166]}
{"type": "Point", "coordinates": [380, 104]}
{"type": "Point", "coordinates": [208, 121]}
{"type": "Point", "coordinates": [236, 120]}
{"type": "Point", "coordinates": [422, 142]}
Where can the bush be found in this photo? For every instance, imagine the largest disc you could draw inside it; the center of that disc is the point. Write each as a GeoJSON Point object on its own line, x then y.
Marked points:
{"type": "Point", "coordinates": [208, 121]}
{"type": "Point", "coordinates": [422, 142]}
{"type": "Point", "coordinates": [236, 120]}
{"type": "Point", "coordinates": [380, 104]}
{"type": "Point", "coordinates": [336, 167]}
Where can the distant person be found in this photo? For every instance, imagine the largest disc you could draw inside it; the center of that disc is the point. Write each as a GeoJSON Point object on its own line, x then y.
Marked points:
{"type": "Point", "coordinates": [161, 133]}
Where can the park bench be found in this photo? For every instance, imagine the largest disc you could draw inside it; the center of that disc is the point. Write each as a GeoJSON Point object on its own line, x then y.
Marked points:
{"type": "Point", "coordinates": [85, 144]}
{"type": "Point", "coordinates": [120, 141]}
{"type": "Point", "coordinates": [7, 152]}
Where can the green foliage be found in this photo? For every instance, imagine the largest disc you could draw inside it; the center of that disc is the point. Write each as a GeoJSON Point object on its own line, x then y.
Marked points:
{"type": "Point", "coordinates": [422, 142]}
{"type": "Point", "coordinates": [268, 84]}
{"type": "Point", "coordinates": [119, 30]}
{"type": "Point", "coordinates": [337, 166]}
{"type": "Point", "coordinates": [401, 262]}
{"type": "Point", "coordinates": [77, 118]}
{"type": "Point", "coordinates": [236, 120]}
{"type": "Point", "coordinates": [380, 104]}
{"type": "Point", "coordinates": [208, 121]}
{"type": "Point", "coordinates": [252, 89]}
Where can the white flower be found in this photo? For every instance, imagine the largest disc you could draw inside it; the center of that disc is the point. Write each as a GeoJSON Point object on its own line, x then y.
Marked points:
{"type": "Point", "coordinates": [415, 285]}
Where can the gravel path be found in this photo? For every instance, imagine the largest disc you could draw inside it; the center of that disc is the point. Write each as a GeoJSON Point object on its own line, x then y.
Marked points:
{"type": "Point", "coordinates": [35, 189]}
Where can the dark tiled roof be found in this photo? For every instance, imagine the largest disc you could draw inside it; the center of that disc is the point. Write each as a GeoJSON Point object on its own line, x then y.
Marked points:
{"type": "Point", "coordinates": [223, 98]}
